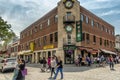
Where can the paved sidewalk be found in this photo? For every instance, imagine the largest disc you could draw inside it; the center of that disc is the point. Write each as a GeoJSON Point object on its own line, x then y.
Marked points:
{"type": "Point", "coordinates": [78, 73]}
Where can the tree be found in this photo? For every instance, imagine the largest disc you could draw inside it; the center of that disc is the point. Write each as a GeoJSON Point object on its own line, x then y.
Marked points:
{"type": "Point", "coordinates": [6, 33]}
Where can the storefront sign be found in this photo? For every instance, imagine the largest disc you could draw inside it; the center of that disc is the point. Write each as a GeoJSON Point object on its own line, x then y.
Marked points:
{"type": "Point", "coordinates": [69, 47]}
{"type": "Point", "coordinates": [79, 31]}
{"type": "Point", "coordinates": [32, 46]}
{"type": "Point", "coordinates": [48, 47]}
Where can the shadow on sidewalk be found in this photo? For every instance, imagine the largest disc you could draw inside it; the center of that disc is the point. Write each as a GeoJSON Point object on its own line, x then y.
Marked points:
{"type": "Point", "coordinates": [70, 68]}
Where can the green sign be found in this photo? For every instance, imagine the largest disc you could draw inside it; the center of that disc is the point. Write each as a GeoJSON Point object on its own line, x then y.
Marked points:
{"type": "Point", "coordinates": [69, 47]}
{"type": "Point", "coordinates": [79, 31]}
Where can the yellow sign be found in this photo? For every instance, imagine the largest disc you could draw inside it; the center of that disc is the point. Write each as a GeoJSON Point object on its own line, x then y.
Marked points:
{"type": "Point", "coordinates": [48, 47]}
{"type": "Point", "coordinates": [32, 46]}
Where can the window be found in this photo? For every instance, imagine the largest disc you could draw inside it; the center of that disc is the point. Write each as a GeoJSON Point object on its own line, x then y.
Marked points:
{"type": "Point", "coordinates": [102, 28]}
{"type": "Point", "coordinates": [39, 43]}
{"type": "Point", "coordinates": [41, 27]}
{"type": "Point", "coordinates": [44, 40]}
{"type": "Point", "coordinates": [83, 36]}
{"type": "Point", "coordinates": [68, 13]}
{"type": "Point", "coordinates": [100, 41]}
{"type": "Point", "coordinates": [92, 23]}
{"type": "Point", "coordinates": [51, 38]}
{"type": "Point", "coordinates": [104, 42]}
{"type": "Point", "coordinates": [87, 20]}
{"type": "Point", "coordinates": [56, 18]}
{"type": "Point", "coordinates": [31, 32]}
{"type": "Point", "coordinates": [48, 22]}
{"type": "Point", "coordinates": [82, 17]}
{"type": "Point", "coordinates": [94, 39]}
{"type": "Point", "coordinates": [107, 43]}
{"type": "Point", "coordinates": [97, 24]}
{"type": "Point", "coordinates": [35, 29]}
{"type": "Point", "coordinates": [87, 37]}
{"type": "Point", "coordinates": [106, 29]}
{"type": "Point", "coordinates": [56, 36]}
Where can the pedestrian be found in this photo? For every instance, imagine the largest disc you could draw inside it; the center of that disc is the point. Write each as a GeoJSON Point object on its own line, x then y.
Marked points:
{"type": "Point", "coordinates": [111, 62]}
{"type": "Point", "coordinates": [16, 70]}
{"type": "Point", "coordinates": [53, 65]}
{"type": "Point", "coordinates": [43, 62]}
{"type": "Point", "coordinates": [49, 63]}
{"type": "Point", "coordinates": [59, 68]}
{"type": "Point", "coordinates": [80, 59]}
{"type": "Point", "coordinates": [21, 68]}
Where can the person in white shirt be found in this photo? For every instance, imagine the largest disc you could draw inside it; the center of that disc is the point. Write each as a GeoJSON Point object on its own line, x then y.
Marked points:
{"type": "Point", "coordinates": [53, 65]}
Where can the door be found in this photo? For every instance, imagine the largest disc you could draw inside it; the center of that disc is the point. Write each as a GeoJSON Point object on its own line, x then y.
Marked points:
{"type": "Point", "coordinates": [69, 56]}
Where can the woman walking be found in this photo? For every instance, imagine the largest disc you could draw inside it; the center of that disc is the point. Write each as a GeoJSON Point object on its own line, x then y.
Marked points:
{"type": "Point", "coordinates": [111, 62]}
{"type": "Point", "coordinates": [59, 68]}
{"type": "Point", "coordinates": [21, 67]}
{"type": "Point", "coordinates": [53, 65]}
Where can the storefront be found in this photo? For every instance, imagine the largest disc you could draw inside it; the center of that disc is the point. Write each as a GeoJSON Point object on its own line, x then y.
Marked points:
{"type": "Point", "coordinates": [69, 53]}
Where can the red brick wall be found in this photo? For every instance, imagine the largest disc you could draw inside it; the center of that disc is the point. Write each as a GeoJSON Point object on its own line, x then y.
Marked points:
{"type": "Point", "coordinates": [87, 28]}
{"type": "Point", "coordinates": [46, 31]}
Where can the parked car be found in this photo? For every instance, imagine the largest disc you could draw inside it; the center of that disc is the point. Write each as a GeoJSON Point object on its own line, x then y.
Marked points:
{"type": "Point", "coordinates": [7, 64]}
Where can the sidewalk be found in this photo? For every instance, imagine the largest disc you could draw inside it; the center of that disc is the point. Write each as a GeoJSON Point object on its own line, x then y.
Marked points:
{"type": "Point", "coordinates": [69, 68]}
{"type": "Point", "coordinates": [78, 73]}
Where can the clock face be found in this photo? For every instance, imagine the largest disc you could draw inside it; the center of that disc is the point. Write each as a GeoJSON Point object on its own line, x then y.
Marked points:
{"type": "Point", "coordinates": [69, 28]}
{"type": "Point", "coordinates": [68, 4]}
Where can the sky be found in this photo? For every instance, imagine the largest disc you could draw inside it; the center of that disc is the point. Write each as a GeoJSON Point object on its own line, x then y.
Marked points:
{"type": "Point", "coordinates": [22, 13]}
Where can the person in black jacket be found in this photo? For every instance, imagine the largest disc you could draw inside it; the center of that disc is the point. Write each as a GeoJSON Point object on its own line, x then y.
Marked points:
{"type": "Point", "coordinates": [59, 68]}
{"type": "Point", "coordinates": [21, 67]}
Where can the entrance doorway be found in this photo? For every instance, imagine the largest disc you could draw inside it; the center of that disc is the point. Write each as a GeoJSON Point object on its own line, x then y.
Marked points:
{"type": "Point", "coordinates": [69, 56]}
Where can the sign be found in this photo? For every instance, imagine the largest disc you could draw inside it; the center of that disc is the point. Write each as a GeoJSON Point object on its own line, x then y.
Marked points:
{"type": "Point", "coordinates": [32, 46]}
{"type": "Point", "coordinates": [79, 31]}
{"type": "Point", "coordinates": [69, 47]}
{"type": "Point", "coordinates": [48, 47]}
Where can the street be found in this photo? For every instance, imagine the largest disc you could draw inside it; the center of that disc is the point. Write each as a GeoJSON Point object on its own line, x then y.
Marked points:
{"type": "Point", "coordinates": [72, 73]}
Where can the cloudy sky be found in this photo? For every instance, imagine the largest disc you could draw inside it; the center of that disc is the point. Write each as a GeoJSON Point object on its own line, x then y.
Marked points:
{"type": "Point", "coordinates": [21, 13]}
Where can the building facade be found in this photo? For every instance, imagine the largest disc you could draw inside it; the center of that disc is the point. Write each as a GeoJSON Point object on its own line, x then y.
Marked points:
{"type": "Point", "coordinates": [68, 30]}
{"type": "Point", "coordinates": [117, 44]}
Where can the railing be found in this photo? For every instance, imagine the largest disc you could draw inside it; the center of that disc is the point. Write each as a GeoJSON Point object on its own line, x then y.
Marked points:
{"type": "Point", "coordinates": [69, 19]}
{"type": "Point", "coordinates": [69, 41]}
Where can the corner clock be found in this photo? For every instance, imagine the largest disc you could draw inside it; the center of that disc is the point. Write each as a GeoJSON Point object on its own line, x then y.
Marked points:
{"type": "Point", "coordinates": [69, 28]}
{"type": "Point", "coordinates": [68, 4]}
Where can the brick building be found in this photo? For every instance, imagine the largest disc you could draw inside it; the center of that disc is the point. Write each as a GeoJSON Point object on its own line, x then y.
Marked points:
{"type": "Point", "coordinates": [67, 31]}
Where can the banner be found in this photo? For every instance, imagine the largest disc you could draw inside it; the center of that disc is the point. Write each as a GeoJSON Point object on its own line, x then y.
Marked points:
{"type": "Point", "coordinates": [79, 31]}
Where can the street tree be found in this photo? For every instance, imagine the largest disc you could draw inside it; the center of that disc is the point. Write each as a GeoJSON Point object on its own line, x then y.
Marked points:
{"type": "Point", "coordinates": [6, 33]}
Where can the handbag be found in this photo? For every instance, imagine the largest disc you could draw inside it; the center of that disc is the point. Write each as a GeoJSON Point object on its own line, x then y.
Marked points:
{"type": "Point", "coordinates": [24, 72]}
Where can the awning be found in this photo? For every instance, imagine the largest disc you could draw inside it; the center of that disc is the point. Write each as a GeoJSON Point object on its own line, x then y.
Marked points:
{"type": "Point", "coordinates": [20, 53]}
{"type": "Point", "coordinates": [24, 52]}
{"type": "Point", "coordinates": [27, 52]}
{"type": "Point", "coordinates": [109, 52]}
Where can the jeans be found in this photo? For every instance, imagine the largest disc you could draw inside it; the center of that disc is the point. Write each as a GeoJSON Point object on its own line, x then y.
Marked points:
{"type": "Point", "coordinates": [52, 71]}
{"type": "Point", "coordinates": [111, 65]}
{"type": "Point", "coordinates": [61, 72]}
